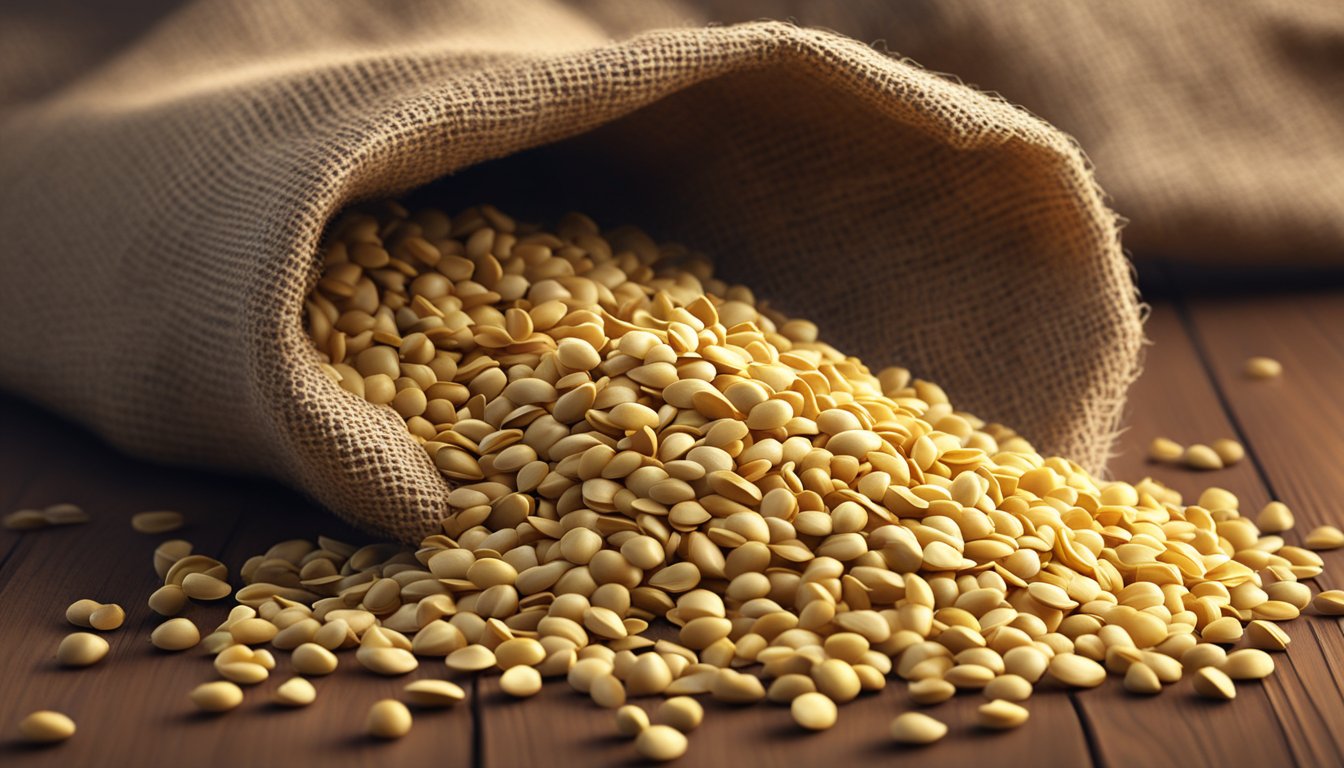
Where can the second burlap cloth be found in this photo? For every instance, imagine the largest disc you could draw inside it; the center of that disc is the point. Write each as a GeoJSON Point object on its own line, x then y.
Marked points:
{"type": "Point", "coordinates": [163, 213]}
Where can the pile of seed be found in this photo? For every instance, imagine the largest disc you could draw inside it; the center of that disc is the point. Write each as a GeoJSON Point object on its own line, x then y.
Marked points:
{"type": "Point", "coordinates": [635, 445]}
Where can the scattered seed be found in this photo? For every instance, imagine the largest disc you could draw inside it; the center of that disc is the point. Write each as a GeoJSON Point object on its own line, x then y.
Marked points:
{"type": "Point", "coordinates": [80, 611]}
{"type": "Point", "coordinates": [1262, 368]}
{"type": "Point", "coordinates": [81, 649]}
{"type": "Point", "coordinates": [1165, 450]}
{"type": "Point", "coordinates": [1248, 664]}
{"type": "Point", "coordinates": [1275, 518]}
{"type": "Point", "coordinates": [388, 719]}
{"type": "Point", "coordinates": [156, 522]}
{"type": "Point", "coordinates": [219, 696]}
{"type": "Point", "coordinates": [1200, 456]}
{"type": "Point", "coordinates": [931, 690]}
{"type": "Point", "coordinates": [46, 727]}
{"type": "Point", "coordinates": [661, 743]}
{"type": "Point", "coordinates": [520, 682]}
{"type": "Point", "coordinates": [917, 728]}
{"type": "Point", "coordinates": [1009, 688]}
{"type": "Point", "coordinates": [1329, 602]}
{"type": "Point", "coordinates": [175, 635]}
{"type": "Point", "coordinates": [1076, 671]}
{"type": "Point", "coordinates": [1213, 683]}
{"type": "Point", "coordinates": [295, 692]}
{"type": "Point", "coordinates": [1324, 537]}
{"type": "Point", "coordinates": [1229, 451]}
{"type": "Point", "coordinates": [1001, 715]}
{"type": "Point", "coordinates": [1141, 679]}
{"type": "Point", "coordinates": [312, 659]}
{"type": "Point", "coordinates": [681, 712]}
{"type": "Point", "coordinates": [631, 720]}
{"type": "Point", "coordinates": [26, 520]}
{"type": "Point", "coordinates": [64, 514]}
{"type": "Point", "coordinates": [813, 711]}
{"type": "Point", "coordinates": [434, 693]}
{"type": "Point", "coordinates": [107, 617]}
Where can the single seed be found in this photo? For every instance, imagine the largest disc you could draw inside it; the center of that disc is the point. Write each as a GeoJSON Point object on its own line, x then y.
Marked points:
{"type": "Point", "coordinates": [931, 690]}
{"type": "Point", "coordinates": [1199, 456]}
{"type": "Point", "coordinates": [168, 600]}
{"type": "Point", "coordinates": [813, 711]}
{"type": "Point", "coordinates": [1262, 368]}
{"type": "Point", "coordinates": [1009, 688]}
{"type": "Point", "coordinates": [388, 719]}
{"type": "Point", "coordinates": [199, 586]}
{"type": "Point", "coordinates": [1324, 537]}
{"type": "Point", "coordinates": [631, 720]}
{"type": "Point", "coordinates": [156, 522]}
{"type": "Point", "coordinates": [65, 514]}
{"type": "Point", "coordinates": [1141, 679]}
{"type": "Point", "coordinates": [219, 696]}
{"type": "Point", "coordinates": [295, 692]}
{"type": "Point", "coordinates": [681, 712]}
{"type": "Point", "coordinates": [1226, 630]}
{"type": "Point", "coordinates": [472, 658]}
{"type": "Point", "coordinates": [1213, 683]}
{"type": "Point", "coordinates": [175, 635]}
{"type": "Point", "coordinates": [107, 617]}
{"type": "Point", "coordinates": [917, 728]}
{"type": "Point", "coordinates": [434, 693]}
{"type": "Point", "coordinates": [661, 743]}
{"type": "Point", "coordinates": [313, 659]}
{"type": "Point", "coordinates": [1001, 715]}
{"type": "Point", "coordinates": [520, 682]}
{"type": "Point", "coordinates": [1076, 671]}
{"type": "Point", "coordinates": [243, 672]}
{"type": "Point", "coordinates": [607, 691]}
{"type": "Point", "coordinates": [46, 727]}
{"type": "Point", "coordinates": [1248, 664]}
{"type": "Point", "coordinates": [1165, 450]}
{"type": "Point", "coordinates": [81, 649]}
{"type": "Point", "coordinates": [1228, 450]}
{"type": "Point", "coordinates": [79, 612]}
{"type": "Point", "coordinates": [1329, 602]}
{"type": "Point", "coordinates": [1275, 518]}
{"type": "Point", "coordinates": [386, 661]}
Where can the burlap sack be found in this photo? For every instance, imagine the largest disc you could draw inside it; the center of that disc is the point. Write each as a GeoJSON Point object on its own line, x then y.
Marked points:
{"type": "Point", "coordinates": [1217, 127]}
{"type": "Point", "coordinates": [162, 214]}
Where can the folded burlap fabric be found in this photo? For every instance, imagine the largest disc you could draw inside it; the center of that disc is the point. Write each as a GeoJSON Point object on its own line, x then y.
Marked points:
{"type": "Point", "coordinates": [163, 210]}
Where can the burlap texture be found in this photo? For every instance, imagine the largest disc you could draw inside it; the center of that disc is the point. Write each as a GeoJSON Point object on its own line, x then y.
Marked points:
{"type": "Point", "coordinates": [162, 214]}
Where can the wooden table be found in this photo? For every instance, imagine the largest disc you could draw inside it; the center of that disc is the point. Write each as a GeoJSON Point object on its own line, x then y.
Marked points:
{"type": "Point", "coordinates": [132, 709]}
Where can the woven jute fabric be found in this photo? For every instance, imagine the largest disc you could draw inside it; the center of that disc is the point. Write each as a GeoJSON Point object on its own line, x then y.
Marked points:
{"type": "Point", "coordinates": [1217, 126]}
{"type": "Point", "coordinates": [163, 210]}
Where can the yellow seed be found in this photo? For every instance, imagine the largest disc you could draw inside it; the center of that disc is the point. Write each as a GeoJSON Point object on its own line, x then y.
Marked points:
{"type": "Point", "coordinates": [630, 720]}
{"type": "Point", "coordinates": [1262, 368]}
{"type": "Point", "coordinates": [1228, 450]}
{"type": "Point", "coordinates": [388, 719]}
{"type": "Point", "coordinates": [219, 696]}
{"type": "Point", "coordinates": [1009, 688]}
{"type": "Point", "coordinates": [175, 635]}
{"type": "Point", "coordinates": [1226, 631]}
{"type": "Point", "coordinates": [107, 617]}
{"type": "Point", "coordinates": [295, 692]}
{"type": "Point", "coordinates": [200, 586]}
{"type": "Point", "coordinates": [1164, 450]}
{"type": "Point", "coordinates": [813, 711]}
{"type": "Point", "coordinates": [1141, 679]}
{"type": "Point", "coordinates": [79, 612]}
{"type": "Point", "coordinates": [81, 649]}
{"type": "Point", "coordinates": [434, 693]}
{"type": "Point", "coordinates": [1248, 664]}
{"type": "Point", "coordinates": [931, 690]}
{"type": "Point", "coordinates": [1001, 715]}
{"type": "Point", "coordinates": [520, 682]}
{"type": "Point", "coordinates": [313, 659]}
{"type": "Point", "coordinates": [46, 727]}
{"type": "Point", "coordinates": [1324, 537]}
{"type": "Point", "coordinates": [681, 712]}
{"type": "Point", "coordinates": [661, 743]}
{"type": "Point", "coordinates": [1275, 518]}
{"type": "Point", "coordinates": [1329, 602]}
{"type": "Point", "coordinates": [1199, 456]}
{"type": "Point", "coordinates": [156, 522]}
{"type": "Point", "coordinates": [168, 600]}
{"type": "Point", "coordinates": [917, 728]}
{"type": "Point", "coordinates": [1076, 671]}
{"type": "Point", "coordinates": [1212, 683]}
{"type": "Point", "coordinates": [26, 520]}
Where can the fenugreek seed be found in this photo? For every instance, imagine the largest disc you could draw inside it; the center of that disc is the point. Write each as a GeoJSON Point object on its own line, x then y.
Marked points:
{"type": "Point", "coordinates": [1324, 537]}
{"type": "Point", "coordinates": [156, 522]}
{"type": "Point", "coordinates": [520, 682]}
{"type": "Point", "coordinates": [1165, 450]}
{"type": "Point", "coordinates": [1200, 456]}
{"type": "Point", "coordinates": [1213, 683]}
{"type": "Point", "coordinates": [175, 635]}
{"type": "Point", "coordinates": [79, 612]}
{"type": "Point", "coordinates": [1008, 688]}
{"type": "Point", "coordinates": [681, 712]}
{"type": "Point", "coordinates": [199, 586]}
{"type": "Point", "coordinates": [661, 743]}
{"type": "Point", "coordinates": [631, 720]}
{"type": "Point", "coordinates": [434, 693]}
{"type": "Point", "coordinates": [1076, 671]}
{"type": "Point", "coordinates": [388, 719]}
{"type": "Point", "coordinates": [81, 649]}
{"type": "Point", "coordinates": [1001, 715]}
{"type": "Point", "coordinates": [1275, 518]}
{"type": "Point", "coordinates": [312, 659]}
{"type": "Point", "coordinates": [295, 692]}
{"type": "Point", "coordinates": [107, 617]}
{"type": "Point", "coordinates": [1248, 664]}
{"type": "Point", "coordinates": [813, 711]}
{"type": "Point", "coordinates": [219, 696]}
{"type": "Point", "coordinates": [1262, 368]}
{"type": "Point", "coordinates": [1329, 602]}
{"type": "Point", "coordinates": [1141, 679]}
{"type": "Point", "coordinates": [931, 690]}
{"type": "Point", "coordinates": [917, 728]}
{"type": "Point", "coordinates": [46, 727]}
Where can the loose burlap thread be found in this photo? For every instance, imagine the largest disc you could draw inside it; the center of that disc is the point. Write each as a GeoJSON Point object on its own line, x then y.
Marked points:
{"type": "Point", "coordinates": [164, 213]}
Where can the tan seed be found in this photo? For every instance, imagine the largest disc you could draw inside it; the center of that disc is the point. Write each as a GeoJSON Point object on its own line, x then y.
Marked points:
{"type": "Point", "coordinates": [388, 719]}
{"type": "Point", "coordinates": [168, 600]}
{"type": "Point", "coordinates": [931, 690]}
{"type": "Point", "coordinates": [1275, 518]}
{"type": "Point", "coordinates": [312, 659]}
{"type": "Point", "coordinates": [607, 691]}
{"type": "Point", "coordinates": [1228, 450]}
{"type": "Point", "coordinates": [1001, 715]}
{"type": "Point", "coordinates": [520, 682]}
{"type": "Point", "coordinates": [156, 522]}
{"type": "Point", "coordinates": [813, 711]}
{"type": "Point", "coordinates": [631, 720]}
{"type": "Point", "coordinates": [917, 728]}
{"type": "Point", "coordinates": [681, 712]}
{"type": "Point", "coordinates": [386, 661]}
{"type": "Point", "coordinates": [1248, 664]}
{"type": "Point", "coordinates": [1328, 603]}
{"type": "Point", "coordinates": [199, 586]}
{"type": "Point", "coordinates": [26, 520]}
{"type": "Point", "coordinates": [472, 658]}
{"type": "Point", "coordinates": [1212, 683]}
{"type": "Point", "coordinates": [1008, 688]}
{"type": "Point", "coordinates": [175, 635]}
{"type": "Point", "coordinates": [1262, 368]}
{"type": "Point", "coordinates": [1199, 456]}
{"type": "Point", "coordinates": [107, 617]}
{"type": "Point", "coordinates": [661, 743]}
{"type": "Point", "coordinates": [219, 696]}
{"type": "Point", "coordinates": [434, 693]}
{"type": "Point", "coordinates": [81, 649]}
{"type": "Point", "coordinates": [46, 727]}
{"type": "Point", "coordinates": [1141, 679]}
{"type": "Point", "coordinates": [1076, 671]}
{"type": "Point", "coordinates": [79, 612]}
{"type": "Point", "coordinates": [295, 692]}
{"type": "Point", "coordinates": [1324, 537]}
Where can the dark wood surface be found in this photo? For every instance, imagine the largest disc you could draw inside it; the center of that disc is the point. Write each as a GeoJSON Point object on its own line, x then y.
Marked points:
{"type": "Point", "coordinates": [131, 709]}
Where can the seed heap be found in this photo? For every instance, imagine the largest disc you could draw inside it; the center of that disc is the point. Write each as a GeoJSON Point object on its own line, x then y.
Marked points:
{"type": "Point", "coordinates": [630, 440]}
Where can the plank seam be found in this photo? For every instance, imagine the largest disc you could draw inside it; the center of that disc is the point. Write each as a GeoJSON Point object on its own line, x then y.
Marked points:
{"type": "Point", "coordinates": [1089, 735]}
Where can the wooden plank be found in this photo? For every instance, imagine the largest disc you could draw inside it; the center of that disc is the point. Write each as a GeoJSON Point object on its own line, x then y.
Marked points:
{"type": "Point", "coordinates": [564, 728]}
